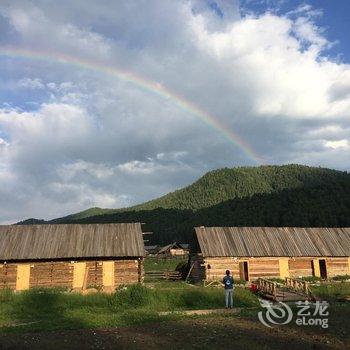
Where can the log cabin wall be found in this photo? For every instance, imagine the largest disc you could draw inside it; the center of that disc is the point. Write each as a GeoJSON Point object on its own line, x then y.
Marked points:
{"type": "Point", "coordinates": [274, 251]}
{"type": "Point", "coordinates": [126, 272]}
{"type": "Point", "coordinates": [95, 273]}
{"type": "Point", "coordinates": [257, 267]}
{"type": "Point", "coordinates": [215, 268]}
{"type": "Point", "coordinates": [337, 266]}
{"type": "Point", "coordinates": [51, 274]}
{"type": "Point", "coordinates": [271, 267]}
{"type": "Point", "coordinates": [178, 252]}
{"type": "Point", "coordinates": [300, 267]}
{"type": "Point", "coordinates": [263, 268]}
{"type": "Point", "coordinates": [101, 274]}
{"type": "Point", "coordinates": [8, 276]}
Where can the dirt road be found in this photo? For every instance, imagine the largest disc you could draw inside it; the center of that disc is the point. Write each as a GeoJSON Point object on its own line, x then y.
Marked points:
{"type": "Point", "coordinates": [211, 332]}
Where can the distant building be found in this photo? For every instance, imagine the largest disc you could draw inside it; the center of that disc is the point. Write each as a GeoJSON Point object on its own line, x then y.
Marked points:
{"type": "Point", "coordinates": [77, 257]}
{"type": "Point", "coordinates": [152, 249]}
{"type": "Point", "coordinates": [252, 252]}
{"type": "Point", "coordinates": [173, 249]}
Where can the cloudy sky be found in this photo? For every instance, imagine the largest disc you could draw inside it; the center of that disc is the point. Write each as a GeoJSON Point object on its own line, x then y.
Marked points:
{"type": "Point", "coordinates": [109, 103]}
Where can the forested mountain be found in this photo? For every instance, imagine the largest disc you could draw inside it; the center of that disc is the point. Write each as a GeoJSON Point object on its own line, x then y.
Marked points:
{"type": "Point", "coordinates": [289, 195]}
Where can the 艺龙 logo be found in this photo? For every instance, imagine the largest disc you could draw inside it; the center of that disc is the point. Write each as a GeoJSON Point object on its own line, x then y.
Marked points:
{"type": "Point", "coordinates": [275, 314]}
{"type": "Point", "coordinates": [308, 314]}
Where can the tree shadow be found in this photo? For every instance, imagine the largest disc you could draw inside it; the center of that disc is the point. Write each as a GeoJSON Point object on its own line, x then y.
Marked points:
{"type": "Point", "coordinates": [43, 309]}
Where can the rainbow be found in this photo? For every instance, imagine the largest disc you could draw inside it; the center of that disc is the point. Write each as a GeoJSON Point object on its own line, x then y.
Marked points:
{"type": "Point", "coordinates": [143, 83]}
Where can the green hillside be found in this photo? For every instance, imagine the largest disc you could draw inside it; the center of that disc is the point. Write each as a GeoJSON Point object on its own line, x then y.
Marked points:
{"type": "Point", "coordinates": [224, 184]}
{"type": "Point", "coordinates": [289, 195]}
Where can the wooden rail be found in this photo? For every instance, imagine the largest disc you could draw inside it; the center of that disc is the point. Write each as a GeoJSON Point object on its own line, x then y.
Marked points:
{"type": "Point", "coordinates": [267, 287]}
{"type": "Point", "coordinates": [298, 285]}
{"type": "Point", "coordinates": [213, 283]}
{"type": "Point", "coordinates": [159, 275]}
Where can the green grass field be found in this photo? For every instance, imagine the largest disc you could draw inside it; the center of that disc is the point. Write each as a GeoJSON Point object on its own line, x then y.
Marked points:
{"type": "Point", "coordinates": [53, 309]}
{"type": "Point", "coordinates": [129, 318]}
{"type": "Point", "coordinates": [332, 291]}
{"type": "Point", "coordinates": [154, 264]}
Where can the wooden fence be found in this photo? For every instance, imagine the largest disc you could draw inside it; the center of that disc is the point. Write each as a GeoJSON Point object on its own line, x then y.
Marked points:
{"type": "Point", "coordinates": [267, 287]}
{"type": "Point", "coordinates": [162, 275]}
{"type": "Point", "coordinates": [298, 285]}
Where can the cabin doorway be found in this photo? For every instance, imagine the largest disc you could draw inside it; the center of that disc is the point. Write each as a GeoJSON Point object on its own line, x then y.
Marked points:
{"type": "Point", "coordinates": [319, 268]}
{"type": "Point", "coordinates": [244, 270]}
{"type": "Point", "coordinates": [323, 268]}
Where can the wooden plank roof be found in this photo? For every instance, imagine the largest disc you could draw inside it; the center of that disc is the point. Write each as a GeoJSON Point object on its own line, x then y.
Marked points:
{"type": "Point", "coordinates": [273, 241]}
{"type": "Point", "coordinates": [167, 248]}
{"type": "Point", "coordinates": [33, 242]}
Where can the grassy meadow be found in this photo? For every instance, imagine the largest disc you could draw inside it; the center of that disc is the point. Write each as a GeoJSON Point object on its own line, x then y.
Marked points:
{"type": "Point", "coordinates": [52, 309]}
{"type": "Point", "coordinates": [162, 264]}
{"type": "Point", "coordinates": [332, 291]}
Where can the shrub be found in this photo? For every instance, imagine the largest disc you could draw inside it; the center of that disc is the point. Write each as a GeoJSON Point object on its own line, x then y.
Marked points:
{"type": "Point", "coordinates": [6, 295]}
{"type": "Point", "coordinates": [332, 291]}
{"type": "Point", "coordinates": [239, 281]}
{"type": "Point", "coordinates": [341, 278]}
{"type": "Point", "coordinates": [135, 295]}
{"type": "Point", "coordinates": [311, 279]}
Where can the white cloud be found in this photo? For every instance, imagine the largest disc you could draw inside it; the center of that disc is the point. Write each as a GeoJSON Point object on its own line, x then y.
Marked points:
{"type": "Point", "coordinates": [42, 33]}
{"type": "Point", "coordinates": [342, 144]}
{"type": "Point", "coordinates": [93, 139]}
{"type": "Point", "coordinates": [3, 143]}
{"type": "Point", "coordinates": [30, 83]}
{"type": "Point", "coordinates": [99, 171]}
{"type": "Point", "coordinates": [59, 123]}
{"type": "Point", "coordinates": [285, 78]}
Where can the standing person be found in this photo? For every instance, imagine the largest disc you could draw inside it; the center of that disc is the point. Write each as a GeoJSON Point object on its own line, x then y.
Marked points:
{"type": "Point", "coordinates": [228, 285]}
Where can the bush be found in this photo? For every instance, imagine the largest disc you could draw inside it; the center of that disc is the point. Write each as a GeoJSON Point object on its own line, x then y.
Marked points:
{"type": "Point", "coordinates": [6, 295]}
{"type": "Point", "coordinates": [239, 281]}
{"type": "Point", "coordinates": [332, 291]}
{"type": "Point", "coordinates": [311, 279]}
{"type": "Point", "coordinates": [341, 278]}
{"type": "Point", "coordinates": [135, 295]}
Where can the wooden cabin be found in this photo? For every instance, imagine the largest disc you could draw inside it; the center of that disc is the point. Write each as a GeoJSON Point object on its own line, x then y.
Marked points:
{"type": "Point", "coordinates": [252, 252]}
{"type": "Point", "coordinates": [152, 249]}
{"type": "Point", "coordinates": [172, 250]}
{"type": "Point", "coordinates": [77, 257]}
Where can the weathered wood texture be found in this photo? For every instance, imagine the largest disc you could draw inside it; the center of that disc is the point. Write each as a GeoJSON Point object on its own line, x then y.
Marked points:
{"type": "Point", "coordinates": [95, 274]}
{"type": "Point", "coordinates": [299, 267]}
{"type": "Point", "coordinates": [263, 268]}
{"type": "Point", "coordinates": [63, 274]}
{"type": "Point", "coordinates": [337, 266]}
{"type": "Point", "coordinates": [49, 242]}
{"type": "Point", "coordinates": [178, 252]}
{"type": "Point", "coordinates": [173, 249]}
{"type": "Point", "coordinates": [197, 272]}
{"type": "Point", "coordinates": [214, 268]}
{"type": "Point", "coordinates": [256, 267]}
{"type": "Point", "coordinates": [51, 274]}
{"type": "Point", "coordinates": [273, 241]}
{"type": "Point", "coordinates": [8, 276]}
{"type": "Point", "coordinates": [126, 272]}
